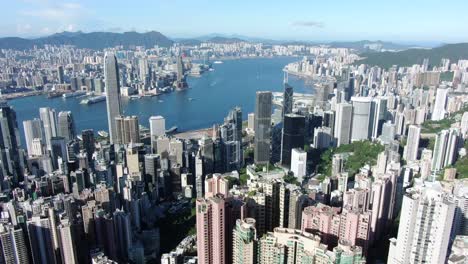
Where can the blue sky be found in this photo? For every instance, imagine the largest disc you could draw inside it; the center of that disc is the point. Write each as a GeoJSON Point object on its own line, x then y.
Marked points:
{"type": "Point", "coordinates": [314, 20]}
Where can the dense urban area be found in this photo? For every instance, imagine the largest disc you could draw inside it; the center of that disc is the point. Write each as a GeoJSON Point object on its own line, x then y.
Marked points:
{"type": "Point", "coordinates": [370, 168]}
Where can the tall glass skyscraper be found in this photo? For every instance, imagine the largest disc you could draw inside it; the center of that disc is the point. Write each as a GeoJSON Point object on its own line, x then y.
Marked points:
{"type": "Point", "coordinates": [111, 72]}
{"type": "Point", "coordinates": [262, 127]}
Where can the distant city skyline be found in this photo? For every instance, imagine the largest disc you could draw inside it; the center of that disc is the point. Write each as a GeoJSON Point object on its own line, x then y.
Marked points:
{"type": "Point", "coordinates": [397, 21]}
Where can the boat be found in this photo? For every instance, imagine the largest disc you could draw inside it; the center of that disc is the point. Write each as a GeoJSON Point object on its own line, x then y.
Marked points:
{"type": "Point", "coordinates": [54, 94]}
{"type": "Point", "coordinates": [191, 99]}
{"type": "Point", "coordinates": [210, 69]}
{"type": "Point", "coordinates": [218, 62]}
{"type": "Point", "coordinates": [103, 133]}
{"type": "Point", "coordinates": [133, 97]}
{"type": "Point", "coordinates": [73, 94]}
{"type": "Point", "coordinates": [160, 101]}
{"type": "Point", "coordinates": [171, 130]}
{"type": "Point", "coordinates": [93, 100]}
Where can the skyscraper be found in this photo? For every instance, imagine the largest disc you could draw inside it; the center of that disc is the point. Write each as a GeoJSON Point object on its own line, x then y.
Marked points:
{"type": "Point", "coordinates": [287, 99]}
{"type": "Point", "coordinates": [127, 130]}
{"type": "Point", "coordinates": [40, 240]}
{"type": "Point", "coordinates": [157, 126]}
{"type": "Point", "coordinates": [66, 126]}
{"type": "Point", "coordinates": [112, 83]}
{"type": "Point", "coordinates": [13, 246]}
{"type": "Point", "coordinates": [445, 148]}
{"type": "Point", "coordinates": [49, 121]}
{"type": "Point", "coordinates": [362, 118]}
{"type": "Point", "coordinates": [292, 136]}
{"type": "Point", "coordinates": [9, 144]}
{"type": "Point", "coordinates": [410, 152]}
{"type": "Point", "coordinates": [211, 240]}
{"type": "Point", "coordinates": [424, 228]}
{"type": "Point", "coordinates": [68, 243]}
{"type": "Point", "coordinates": [262, 140]}
{"type": "Point", "coordinates": [438, 112]}
{"type": "Point", "coordinates": [244, 242]}
{"type": "Point", "coordinates": [299, 163]}
{"type": "Point", "coordinates": [88, 142]}
{"type": "Point", "coordinates": [344, 112]}
{"type": "Point", "coordinates": [32, 130]}
{"type": "Point", "coordinates": [61, 78]}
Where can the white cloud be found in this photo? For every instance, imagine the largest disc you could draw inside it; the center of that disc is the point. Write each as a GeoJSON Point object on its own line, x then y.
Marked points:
{"type": "Point", "coordinates": [55, 11]}
{"type": "Point", "coordinates": [310, 23]}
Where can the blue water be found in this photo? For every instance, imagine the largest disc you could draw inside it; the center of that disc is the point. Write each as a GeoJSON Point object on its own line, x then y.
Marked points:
{"type": "Point", "coordinates": [231, 84]}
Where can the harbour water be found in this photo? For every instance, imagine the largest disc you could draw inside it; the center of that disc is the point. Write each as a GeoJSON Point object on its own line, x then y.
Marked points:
{"type": "Point", "coordinates": [206, 102]}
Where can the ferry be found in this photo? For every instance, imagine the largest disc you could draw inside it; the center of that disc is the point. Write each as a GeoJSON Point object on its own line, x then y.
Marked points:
{"type": "Point", "coordinates": [103, 133]}
{"type": "Point", "coordinates": [171, 130]}
{"type": "Point", "coordinates": [93, 100]}
{"type": "Point", "coordinates": [74, 94]}
{"type": "Point", "coordinates": [218, 62]}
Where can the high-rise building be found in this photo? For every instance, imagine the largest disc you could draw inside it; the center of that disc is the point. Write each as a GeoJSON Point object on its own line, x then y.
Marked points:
{"type": "Point", "coordinates": [157, 126]}
{"type": "Point", "coordinates": [59, 150]}
{"type": "Point", "coordinates": [88, 142]}
{"type": "Point", "coordinates": [438, 112]}
{"type": "Point", "coordinates": [362, 118]}
{"type": "Point", "coordinates": [66, 126]}
{"type": "Point", "coordinates": [244, 242]}
{"type": "Point", "coordinates": [127, 130]}
{"type": "Point", "coordinates": [322, 137]}
{"type": "Point", "coordinates": [61, 75]}
{"type": "Point", "coordinates": [299, 163]}
{"type": "Point", "coordinates": [181, 83]}
{"type": "Point", "coordinates": [211, 236]}
{"type": "Point", "coordinates": [32, 130]}
{"type": "Point", "coordinates": [424, 228]}
{"type": "Point", "coordinates": [40, 240]}
{"type": "Point", "coordinates": [49, 121]}
{"type": "Point", "coordinates": [344, 112]}
{"type": "Point", "coordinates": [293, 136]}
{"type": "Point", "coordinates": [251, 122]}
{"type": "Point", "coordinates": [388, 132]}
{"type": "Point", "coordinates": [262, 128]}
{"type": "Point", "coordinates": [10, 164]}
{"type": "Point", "coordinates": [410, 152]}
{"type": "Point", "coordinates": [13, 246]}
{"type": "Point", "coordinates": [111, 72]}
{"type": "Point", "coordinates": [68, 243]}
{"type": "Point", "coordinates": [287, 99]}
{"type": "Point", "coordinates": [445, 148]}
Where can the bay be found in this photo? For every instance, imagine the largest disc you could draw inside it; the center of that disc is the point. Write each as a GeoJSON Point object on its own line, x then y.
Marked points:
{"type": "Point", "coordinates": [206, 102]}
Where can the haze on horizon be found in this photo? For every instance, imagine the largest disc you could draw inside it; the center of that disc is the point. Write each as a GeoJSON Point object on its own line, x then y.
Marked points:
{"type": "Point", "coordinates": [398, 20]}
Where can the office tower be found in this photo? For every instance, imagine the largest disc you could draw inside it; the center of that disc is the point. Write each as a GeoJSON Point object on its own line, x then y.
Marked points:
{"type": "Point", "coordinates": [445, 148]}
{"type": "Point", "coordinates": [297, 201]}
{"type": "Point", "coordinates": [211, 240]}
{"type": "Point", "coordinates": [244, 242]}
{"type": "Point", "coordinates": [350, 87]}
{"type": "Point", "coordinates": [206, 150]}
{"type": "Point", "coordinates": [13, 246]}
{"type": "Point", "coordinates": [362, 118]}
{"type": "Point", "coordinates": [157, 126]}
{"type": "Point", "coordinates": [68, 243]}
{"type": "Point", "coordinates": [74, 84]}
{"type": "Point", "coordinates": [388, 132]}
{"type": "Point", "coordinates": [49, 121]}
{"type": "Point", "coordinates": [10, 164]}
{"type": "Point", "coordinates": [301, 247]}
{"type": "Point", "coordinates": [98, 86]}
{"type": "Point", "coordinates": [344, 112]}
{"type": "Point", "coordinates": [58, 150]}
{"type": "Point", "coordinates": [438, 111]}
{"type": "Point", "coordinates": [32, 130]}
{"type": "Point", "coordinates": [40, 240]}
{"type": "Point", "coordinates": [293, 135]}
{"type": "Point", "coordinates": [180, 82]}
{"type": "Point", "coordinates": [88, 142]}
{"type": "Point", "coordinates": [112, 83]}
{"type": "Point", "coordinates": [151, 170]}
{"type": "Point", "coordinates": [262, 128]}
{"type": "Point", "coordinates": [424, 228]}
{"type": "Point", "coordinates": [61, 77]}
{"type": "Point", "coordinates": [410, 152]}
{"type": "Point", "coordinates": [66, 126]}
{"type": "Point", "coordinates": [251, 122]}
{"type": "Point", "coordinates": [322, 137]}
{"type": "Point", "coordinates": [231, 137]}
{"type": "Point", "coordinates": [379, 108]}
{"type": "Point", "coordinates": [127, 130]}
{"type": "Point", "coordinates": [143, 68]}
{"type": "Point", "coordinates": [199, 176]}
{"type": "Point", "coordinates": [123, 233]}
{"type": "Point", "coordinates": [287, 99]}
{"type": "Point", "coordinates": [299, 163]}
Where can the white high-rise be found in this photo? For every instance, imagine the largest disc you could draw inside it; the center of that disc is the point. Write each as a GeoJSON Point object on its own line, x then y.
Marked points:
{"type": "Point", "coordinates": [362, 118]}
{"type": "Point", "coordinates": [32, 130]}
{"type": "Point", "coordinates": [49, 120]}
{"type": "Point", "coordinates": [445, 148]}
{"type": "Point", "coordinates": [438, 112]}
{"type": "Point", "coordinates": [111, 73]}
{"type": "Point", "coordinates": [410, 153]}
{"type": "Point", "coordinates": [343, 118]}
{"type": "Point", "coordinates": [157, 126]}
{"type": "Point", "coordinates": [425, 226]}
{"type": "Point", "coordinates": [299, 163]}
